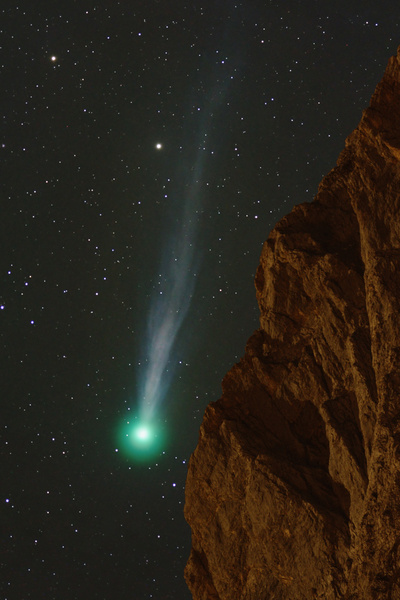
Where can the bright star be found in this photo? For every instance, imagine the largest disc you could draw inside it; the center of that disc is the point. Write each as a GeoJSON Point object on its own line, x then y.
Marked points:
{"type": "Point", "coordinates": [53, 58]}
{"type": "Point", "coordinates": [159, 146]}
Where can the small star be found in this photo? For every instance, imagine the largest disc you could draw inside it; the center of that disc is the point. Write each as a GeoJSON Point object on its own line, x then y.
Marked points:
{"type": "Point", "coordinates": [159, 146]}
{"type": "Point", "coordinates": [53, 58]}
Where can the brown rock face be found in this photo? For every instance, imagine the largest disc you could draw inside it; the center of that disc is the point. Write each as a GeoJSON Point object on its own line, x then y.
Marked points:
{"type": "Point", "coordinates": [293, 491]}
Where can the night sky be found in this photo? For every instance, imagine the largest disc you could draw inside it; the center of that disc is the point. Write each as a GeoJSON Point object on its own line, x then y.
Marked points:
{"type": "Point", "coordinates": [147, 149]}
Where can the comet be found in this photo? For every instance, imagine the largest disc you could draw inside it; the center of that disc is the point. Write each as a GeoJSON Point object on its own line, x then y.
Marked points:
{"type": "Point", "coordinates": [144, 435]}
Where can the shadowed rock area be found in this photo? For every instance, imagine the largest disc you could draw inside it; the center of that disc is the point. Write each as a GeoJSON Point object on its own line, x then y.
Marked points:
{"type": "Point", "coordinates": [293, 491]}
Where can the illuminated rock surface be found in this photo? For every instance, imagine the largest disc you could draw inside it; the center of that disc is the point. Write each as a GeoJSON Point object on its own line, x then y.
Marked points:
{"type": "Point", "coordinates": [293, 491]}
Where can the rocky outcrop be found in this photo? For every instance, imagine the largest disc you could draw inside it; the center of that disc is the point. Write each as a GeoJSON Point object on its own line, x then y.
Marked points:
{"type": "Point", "coordinates": [293, 491]}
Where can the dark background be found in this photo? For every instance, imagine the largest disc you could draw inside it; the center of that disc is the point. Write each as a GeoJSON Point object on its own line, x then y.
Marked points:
{"type": "Point", "coordinates": [252, 102]}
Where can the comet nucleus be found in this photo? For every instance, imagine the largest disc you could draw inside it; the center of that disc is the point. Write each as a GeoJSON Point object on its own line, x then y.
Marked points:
{"type": "Point", "coordinates": [140, 440]}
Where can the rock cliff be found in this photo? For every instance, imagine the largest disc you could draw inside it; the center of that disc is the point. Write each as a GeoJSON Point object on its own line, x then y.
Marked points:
{"type": "Point", "coordinates": [293, 491]}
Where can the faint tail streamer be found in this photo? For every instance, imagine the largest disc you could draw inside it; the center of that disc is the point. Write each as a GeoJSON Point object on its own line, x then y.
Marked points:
{"type": "Point", "coordinates": [171, 302]}
{"type": "Point", "coordinates": [168, 311]}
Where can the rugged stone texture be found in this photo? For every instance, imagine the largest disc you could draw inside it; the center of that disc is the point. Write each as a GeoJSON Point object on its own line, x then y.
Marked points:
{"type": "Point", "coordinates": [293, 491]}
